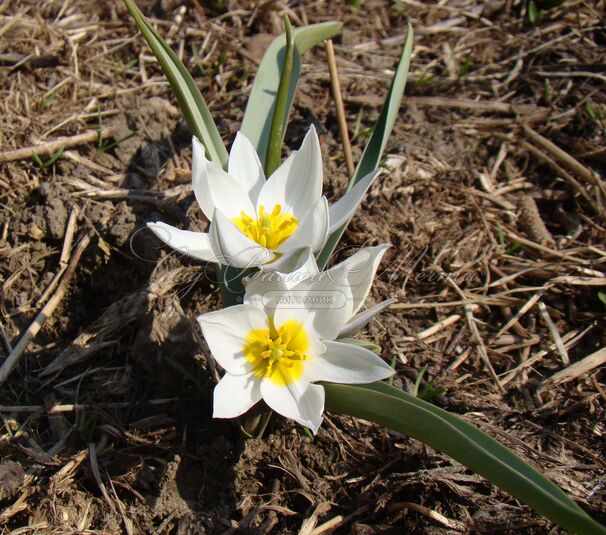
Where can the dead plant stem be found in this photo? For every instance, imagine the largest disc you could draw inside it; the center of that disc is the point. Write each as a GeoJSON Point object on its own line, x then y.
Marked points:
{"type": "Point", "coordinates": [16, 354]}
{"type": "Point", "coordinates": [338, 98]}
{"type": "Point", "coordinates": [48, 148]}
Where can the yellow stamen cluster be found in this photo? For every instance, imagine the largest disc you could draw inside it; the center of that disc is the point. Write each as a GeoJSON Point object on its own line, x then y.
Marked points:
{"type": "Point", "coordinates": [270, 229]}
{"type": "Point", "coordinates": [278, 354]}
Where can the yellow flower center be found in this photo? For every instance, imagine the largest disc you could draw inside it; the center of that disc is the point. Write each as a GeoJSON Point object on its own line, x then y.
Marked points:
{"type": "Point", "coordinates": [270, 229]}
{"type": "Point", "coordinates": [278, 354]}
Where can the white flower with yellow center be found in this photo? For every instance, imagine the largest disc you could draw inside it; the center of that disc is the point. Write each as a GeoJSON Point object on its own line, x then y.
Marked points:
{"type": "Point", "coordinates": [255, 221]}
{"type": "Point", "coordinates": [277, 349]}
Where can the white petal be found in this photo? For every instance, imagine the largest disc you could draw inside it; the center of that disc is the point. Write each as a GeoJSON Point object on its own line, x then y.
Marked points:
{"type": "Point", "coordinates": [214, 188]}
{"type": "Point", "coordinates": [361, 319]}
{"type": "Point", "coordinates": [322, 306]}
{"type": "Point", "coordinates": [359, 270]}
{"type": "Point", "coordinates": [235, 394]}
{"type": "Point", "coordinates": [264, 286]}
{"type": "Point", "coordinates": [195, 244]}
{"type": "Point", "coordinates": [347, 364]}
{"type": "Point", "coordinates": [263, 290]}
{"type": "Point", "coordinates": [312, 231]}
{"type": "Point", "coordinates": [343, 210]}
{"type": "Point", "coordinates": [225, 332]}
{"type": "Point", "coordinates": [199, 177]}
{"type": "Point", "coordinates": [297, 184]}
{"type": "Point", "coordinates": [244, 165]}
{"type": "Point", "coordinates": [233, 247]}
{"type": "Point", "coordinates": [300, 401]}
{"type": "Point", "coordinates": [299, 261]}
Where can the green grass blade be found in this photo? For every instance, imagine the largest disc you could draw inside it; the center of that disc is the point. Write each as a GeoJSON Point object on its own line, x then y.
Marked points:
{"type": "Point", "coordinates": [256, 124]}
{"type": "Point", "coordinates": [445, 432]}
{"type": "Point", "coordinates": [373, 152]}
{"type": "Point", "coordinates": [280, 113]}
{"type": "Point", "coordinates": [190, 99]}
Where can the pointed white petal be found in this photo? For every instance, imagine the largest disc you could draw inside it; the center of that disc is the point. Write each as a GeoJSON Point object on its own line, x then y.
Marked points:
{"type": "Point", "coordinates": [264, 290]}
{"type": "Point", "coordinates": [264, 286]}
{"type": "Point", "coordinates": [235, 394]}
{"type": "Point", "coordinates": [322, 306]}
{"type": "Point", "coordinates": [348, 364]}
{"type": "Point", "coordinates": [244, 165]}
{"type": "Point", "coordinates": [297, 184]}
{"type": "Point", "coordinates": [312, 231]}
{"type": "Point", "coordinates": [359, 270]}
{"type": "Point", "coordinates": [299, 261]}
{"type": "Point", "coordinates": [199, 177]}
{"type": "Point", "coordinates": [300, 401]}
{"type": "Point", "coordinates": [361, 319]}
{"type": "Point", "coordinates": [343, 210]}
{"type": "Point", "coordinates": [195, 244]}
{"type": "Point", "coordinates": [233, 248]}
{"type": "Point", "coordinates": [214, 188]}
{"type": "Point", "coordinates": [225, 332]}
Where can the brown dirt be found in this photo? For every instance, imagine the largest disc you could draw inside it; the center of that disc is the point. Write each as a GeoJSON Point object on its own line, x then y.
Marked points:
{"type": "Point", "coordinates": [467, 192]}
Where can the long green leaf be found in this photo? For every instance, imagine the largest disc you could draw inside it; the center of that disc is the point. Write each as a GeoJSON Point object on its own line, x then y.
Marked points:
{"type": "Point", "coordinates": [256, 124]}
{"type": "Point", "coordinates": [282, 106]}
{"type": "Point", "coordinates": [190, 99]}
{"type": "Point", "coordinates": [373, 152]}
{"type": "Point", "coordinates": [386, 405]}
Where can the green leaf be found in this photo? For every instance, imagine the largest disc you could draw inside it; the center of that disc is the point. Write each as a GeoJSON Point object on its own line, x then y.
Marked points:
{"type": "Point", "coordinates": [466, 67]}
{"type": "Point", "coordinates": [256, 124]}
{"type": "Point", "coordinates": [375, 147]}
{"type": "Point", "coordinates": [415, 388]}
{"type": "Point", "coordinates": [39, 161]}
{"type": "Point", "coordinates": [282, 106]}
{"type": "Point", "coordinates": [190, 99]}
{"type": "Point", "coordinates": [445, 432]}
{"type": "Point", "coordinates": [48, 163]}
{"type": "Point", "coordinates": [534, 15]}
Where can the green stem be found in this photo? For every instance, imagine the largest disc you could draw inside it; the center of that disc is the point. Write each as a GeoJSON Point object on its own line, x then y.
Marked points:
{"type": "Point", "coordinates": [276, 136]}
{"type": "Point", "coordinates": [232, 289]}
{"type": "Point", "coordinates": [255, 421]}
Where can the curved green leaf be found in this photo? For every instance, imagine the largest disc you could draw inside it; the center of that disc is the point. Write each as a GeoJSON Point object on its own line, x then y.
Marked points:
{"type": "Point", "coordinates": [373, 152]}
{"type": "Point", "coordinates": [188, 95]}
{"type": "Point", "coordinates": [445, 432]}
{"type": "Point", "coordinates": [256, 124]}
{"type": "Point", "coordinates": [282, 106]}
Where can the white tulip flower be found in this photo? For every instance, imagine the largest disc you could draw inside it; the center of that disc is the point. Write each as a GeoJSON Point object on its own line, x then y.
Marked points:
{"type": "Point", "coordinates": [277, 349]}
{"type": "Point", "coordinates": [256, 221]}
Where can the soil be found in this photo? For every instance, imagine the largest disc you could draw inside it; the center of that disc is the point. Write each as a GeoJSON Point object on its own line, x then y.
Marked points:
{"type": "Point", "coordinates": [107, 422]}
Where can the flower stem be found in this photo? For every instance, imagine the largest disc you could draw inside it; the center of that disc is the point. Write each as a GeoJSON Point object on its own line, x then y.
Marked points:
{"type": "Point", "coordinates": [254, 423]}
{"type": "Point", "coordinates": [232, 289]}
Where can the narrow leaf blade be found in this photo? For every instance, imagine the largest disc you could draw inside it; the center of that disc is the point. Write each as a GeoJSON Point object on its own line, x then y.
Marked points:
{"type": "Point", "coordinates": [445, 432]}
{"type": "Point", "coordinates": [190, 99]}
{"type": "Point", "coordinates": [281, 106]}
{"type": "Point", "coordinates": [256, 124]}
{"type": "Point", "coordinates": [373, 152]}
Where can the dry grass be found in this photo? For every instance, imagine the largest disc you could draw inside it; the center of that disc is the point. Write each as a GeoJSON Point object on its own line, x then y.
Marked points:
{"type": "Point", "coordinates": [494, 201]}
